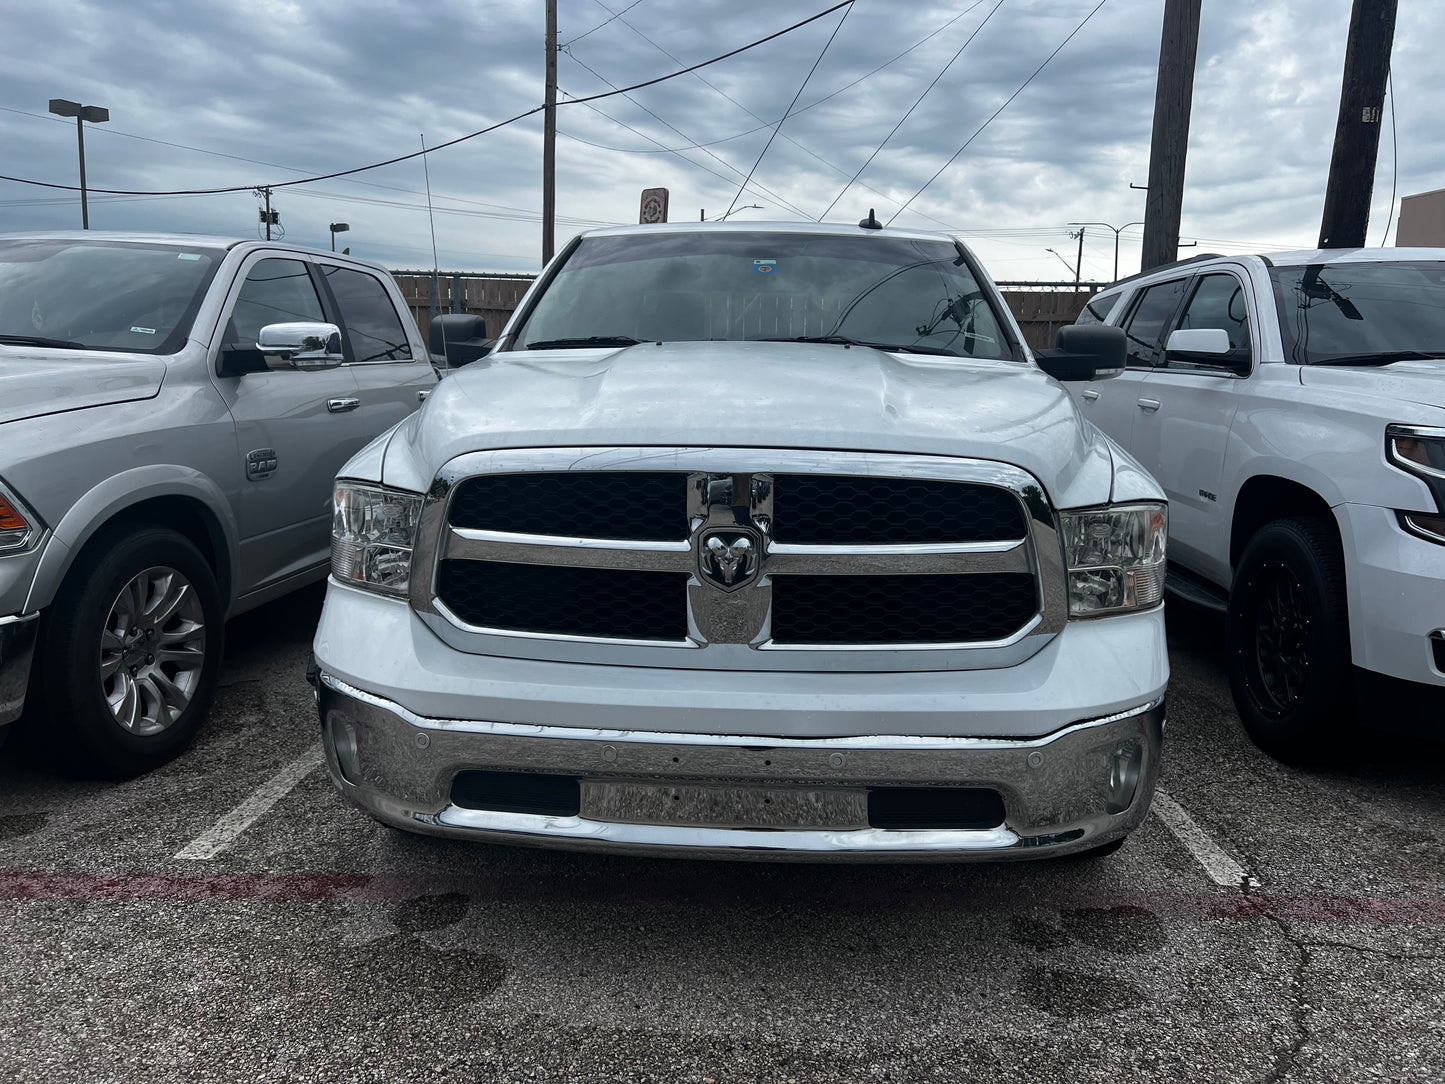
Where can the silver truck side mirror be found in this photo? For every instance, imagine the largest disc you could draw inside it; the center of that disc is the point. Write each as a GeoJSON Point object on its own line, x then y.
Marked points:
{"type": "Point", "coordinates": [1203, 340]}
{"type": "Point", "coordinates": [303, 345]}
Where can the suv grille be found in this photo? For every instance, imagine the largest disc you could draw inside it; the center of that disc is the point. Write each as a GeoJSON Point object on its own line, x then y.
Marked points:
{"type": "Point", "coordinates": [786, 560]}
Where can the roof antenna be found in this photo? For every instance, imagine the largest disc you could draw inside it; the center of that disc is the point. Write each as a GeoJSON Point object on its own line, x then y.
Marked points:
{"type": "Point", "coordinates": [871, 222]}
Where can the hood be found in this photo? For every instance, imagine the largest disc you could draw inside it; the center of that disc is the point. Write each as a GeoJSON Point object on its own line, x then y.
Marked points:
{"type": "Point", "coordinates": [36, 384]}
{"type": "Point", "coordinates": [751, 394]}
{"type": "Point", "coordinates": [1404, 381]}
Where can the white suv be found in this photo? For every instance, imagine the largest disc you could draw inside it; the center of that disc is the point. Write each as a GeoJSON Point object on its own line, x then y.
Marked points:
{"type": "Point", "coordinates": [1293, 408]}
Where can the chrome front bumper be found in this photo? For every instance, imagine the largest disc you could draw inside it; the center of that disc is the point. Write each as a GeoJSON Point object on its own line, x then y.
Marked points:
{"type": "Point", "coordinates": [17, 645]}
{"type": "Point", "coordinates": [1078, 788]}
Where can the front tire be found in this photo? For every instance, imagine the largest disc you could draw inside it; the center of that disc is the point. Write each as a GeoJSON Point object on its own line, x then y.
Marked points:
{"type": "Point", "coordinates": [1288, 636]}
{"type": "Point", "coordinates": [131, 653]}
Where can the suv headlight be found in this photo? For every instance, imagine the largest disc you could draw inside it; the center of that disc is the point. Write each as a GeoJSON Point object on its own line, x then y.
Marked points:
{"type": "Point", "coordinates": [1420, 450]}
{"type": "Point", "coordinates": [373, 529]}
{"type": "Point", "coordinates": [1115, 558]}
{"type": "Point", "coordinates": [19, 527]}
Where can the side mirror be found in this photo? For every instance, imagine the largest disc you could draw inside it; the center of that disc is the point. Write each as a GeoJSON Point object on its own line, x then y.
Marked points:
{"type": "Point", "coordinates": [303, 345]}
{"type": "Point", "coordinates": [1085, 352]}
{"type": "Point", "coordinates": [459, 337]}
{"type": "Point", "coordinates": [1206, 346]}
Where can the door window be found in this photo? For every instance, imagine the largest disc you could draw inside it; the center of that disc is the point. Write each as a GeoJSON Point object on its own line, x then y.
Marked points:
{"type": "Point", "coordinates": [1218, 302]}
{"type": "Point", "coordinates": [1150, 317]}
{"type": "Point", "coordinates": [372, 328]}
{"type": "Point", "coordinates": [275, 292]}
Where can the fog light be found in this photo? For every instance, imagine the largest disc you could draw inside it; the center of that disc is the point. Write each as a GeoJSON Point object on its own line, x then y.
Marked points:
{"type": "Point", "coordinates": [1124, 768]}
{"type": "Point", "coordinates": [343, 741]}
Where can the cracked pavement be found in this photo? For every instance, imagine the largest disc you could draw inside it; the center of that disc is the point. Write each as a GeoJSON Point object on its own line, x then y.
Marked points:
{"type": "Point", "coordinates": [322, 946]}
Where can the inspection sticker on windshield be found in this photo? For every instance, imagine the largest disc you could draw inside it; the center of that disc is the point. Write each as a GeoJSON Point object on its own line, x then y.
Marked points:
{"type": "Point", "coordinates": [188, 255]}
{"type": "Point", "coordinates": [764, 267]}
{"type": "Point", "coordinates": [144, 330]}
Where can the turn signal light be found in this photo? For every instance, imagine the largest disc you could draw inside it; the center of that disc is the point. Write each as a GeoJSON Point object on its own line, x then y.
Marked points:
{"type": "Point", "coordinates": [10, 517]}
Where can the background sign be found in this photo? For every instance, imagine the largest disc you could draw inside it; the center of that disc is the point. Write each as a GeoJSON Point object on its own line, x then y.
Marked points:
{"type": "Point", "coordinates": [654, 205]}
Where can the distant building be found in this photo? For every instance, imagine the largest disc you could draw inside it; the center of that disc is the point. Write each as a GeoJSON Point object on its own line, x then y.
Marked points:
{"type": "Point", "coordinates": [1422, 221]}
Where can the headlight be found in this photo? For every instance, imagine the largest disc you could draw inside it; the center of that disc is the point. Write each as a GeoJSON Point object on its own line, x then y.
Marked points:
{"type": "Point", "coordinates": [19, 526]}
{"type": "Point", "coordinates": [373, 529]}
{"type": "Point", "coordinates": [1420, 450]}
{"type": "Point", "coordinates": [1115, 558]}
{"type": "Point", "coordinates": [1417, 449]}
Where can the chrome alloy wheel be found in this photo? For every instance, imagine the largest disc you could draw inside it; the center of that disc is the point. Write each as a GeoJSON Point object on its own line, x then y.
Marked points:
{"type": "Point", "coordinates": [152, 651]}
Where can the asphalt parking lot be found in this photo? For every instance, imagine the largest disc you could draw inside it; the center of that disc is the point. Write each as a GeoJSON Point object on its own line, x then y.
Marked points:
{"type": "Point", "coordinates": [228, 918]}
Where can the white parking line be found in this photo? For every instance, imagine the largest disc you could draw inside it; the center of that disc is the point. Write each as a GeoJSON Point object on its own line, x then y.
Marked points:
{"type": "Point", "coordinates": [1223, 870]}
{"type": "Point", "coordinates": [223, 833]}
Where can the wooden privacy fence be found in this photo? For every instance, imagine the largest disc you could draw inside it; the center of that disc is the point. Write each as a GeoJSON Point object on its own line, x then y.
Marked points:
{"type": "Point", "coordinates": [492, 297]}
{"type": "Point", "coordinates": [1041, 308]}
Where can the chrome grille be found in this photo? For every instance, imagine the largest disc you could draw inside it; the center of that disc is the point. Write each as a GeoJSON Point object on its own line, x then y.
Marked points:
{"type": "Point", "coordinates": [785, 556]}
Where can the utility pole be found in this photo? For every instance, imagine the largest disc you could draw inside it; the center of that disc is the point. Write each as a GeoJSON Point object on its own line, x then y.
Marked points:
{"type": "Point", "coordinates": [1173, 98]}
{"type": "Point", "coordinates": [549, 138]}
{"type": "Point", "coordinates": [1079, 263]}
{"type": "Point", "coordinates": [1357, 132]}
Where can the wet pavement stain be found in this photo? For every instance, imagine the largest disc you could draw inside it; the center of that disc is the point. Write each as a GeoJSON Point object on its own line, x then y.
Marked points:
{"type": "Point", "coordinates": [1070, 994]}
{"type": "Point", "coordinates": [431, 912]}
{"type": "Point", "coordinates": [17, 825]}
{"type": "Point", "coordinates": [1129, 930]}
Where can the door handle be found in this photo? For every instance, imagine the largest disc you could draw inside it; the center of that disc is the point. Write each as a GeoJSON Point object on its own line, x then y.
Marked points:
{"type": "Point", "coordinates": [1151, 405]}
{"type": "Point", "coordinates": [421, 395]}
{"type": "Point", "coordinates": [341, 406]}
{"type": "Point", "coordinates": [1090, 394]}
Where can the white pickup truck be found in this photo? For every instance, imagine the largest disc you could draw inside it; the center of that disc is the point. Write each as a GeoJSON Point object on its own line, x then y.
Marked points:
{"type": "Point", "coordinates": [752, 541]}
{"type": "Point", "coordinates": [1293, 408]}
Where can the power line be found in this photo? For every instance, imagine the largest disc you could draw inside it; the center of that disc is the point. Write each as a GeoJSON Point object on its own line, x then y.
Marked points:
{"type": "Point", "coordinates": [999, 110]}
{"type": "Point", "coordinates": [801, 109]}
{"type": "Point", "coordinates": [779, 200]}
{"type": "Point", "coordinates": [769, 123]}
{"type": "Point", "coordinates": [909, 112]}
{"type": "Point", "coordinates": [440, 146]}
{"type": "Point", "coordinates": [599, 26]}
{"type": "Point", "coordinates": [822, 53]}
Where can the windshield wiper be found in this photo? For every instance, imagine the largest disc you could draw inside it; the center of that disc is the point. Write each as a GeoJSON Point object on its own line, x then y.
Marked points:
{"type": "Point", "coordinates": [1381, 357]}
{"type": "Point", "coordinates": [587, 340]}
{"type": "Point", "coordinates": [40, 340]}
{"type": "Point", "coordinates": [844, 340]}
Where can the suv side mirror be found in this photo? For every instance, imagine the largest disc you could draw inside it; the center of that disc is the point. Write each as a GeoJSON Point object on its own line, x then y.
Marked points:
{"type": "Point", "coordinates": [459, 337]}
{"type": "Point", "coordinates": [1206, 346]}
{"type": "Point", "coordinates": [308, 346]}
{"type": "Point", "coordinates": [1085, 352]}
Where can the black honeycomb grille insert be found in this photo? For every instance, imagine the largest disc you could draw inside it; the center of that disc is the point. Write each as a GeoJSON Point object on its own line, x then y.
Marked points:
{"type": "Point", "coordinates": [901, 609]}
{"type": "Point", "coordinates": [823, 509]}
{"type": "Point", "coordinates": [641, 506]}
{"type": "Point", "coordinates": [619, 604]}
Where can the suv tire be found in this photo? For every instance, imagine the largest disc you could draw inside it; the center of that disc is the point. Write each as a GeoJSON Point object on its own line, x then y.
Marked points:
{"type": "Point", "coordinates": [131, 653]}
{"type": "Point", "coordinates": [1288, 635]}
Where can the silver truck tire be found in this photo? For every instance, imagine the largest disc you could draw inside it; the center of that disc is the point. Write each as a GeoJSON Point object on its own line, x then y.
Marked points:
{"type": "Point", "coordinates": [130, 653]}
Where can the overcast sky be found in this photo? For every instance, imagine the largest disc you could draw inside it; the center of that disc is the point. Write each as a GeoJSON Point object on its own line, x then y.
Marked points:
{"type": "Point", "coordinates": [249, 92]}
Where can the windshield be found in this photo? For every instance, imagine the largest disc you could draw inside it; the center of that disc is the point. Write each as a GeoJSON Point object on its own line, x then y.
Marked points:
{"type": "Point", "coordinates": [101, 295]}
{"type": "Point", "coordinates": [681, 287]}
{"type": "Point", "coordinates": [1356, 313]}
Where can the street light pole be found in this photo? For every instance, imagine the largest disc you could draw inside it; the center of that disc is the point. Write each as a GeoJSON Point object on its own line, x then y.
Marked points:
{"type": "Point", "coordinates": [337, 227]}
{"type": "Point", "coordinates": [82, 113]}
{"type": "Point", "coordinates": [1117, 230]}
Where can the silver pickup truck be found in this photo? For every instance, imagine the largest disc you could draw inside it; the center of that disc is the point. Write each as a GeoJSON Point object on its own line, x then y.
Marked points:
{"type": "Point", "coordinates": [172, 412]}
{"type": "Point", "coordinates": [753, 541]}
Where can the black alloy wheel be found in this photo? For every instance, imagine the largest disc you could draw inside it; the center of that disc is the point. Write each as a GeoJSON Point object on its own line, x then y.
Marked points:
{"type": "Point", "coordinates": [1288, 639]}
